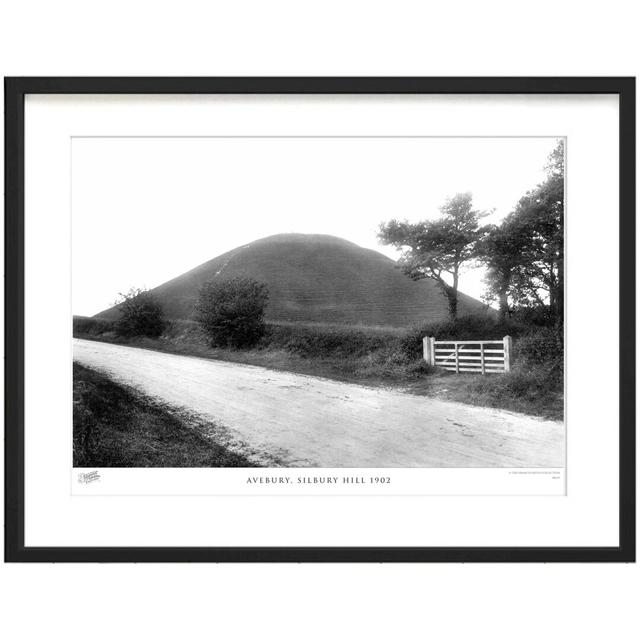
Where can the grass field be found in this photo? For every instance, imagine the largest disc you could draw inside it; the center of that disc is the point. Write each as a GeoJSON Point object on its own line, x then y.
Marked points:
{"type": "Point", "coordinates": [115, 426]}
{"type": "Point", "coordinates": [380, 356]}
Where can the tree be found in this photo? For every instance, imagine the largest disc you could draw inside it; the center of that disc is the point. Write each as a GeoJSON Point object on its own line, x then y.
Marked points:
{"type": "Point", "coordinates": [140, 314]}
{"type": "Point", "coordinates": [525, 254]}
{"type": "Point", "coordinates": [231, 311]}
{"type": "Point", "coordinates": [499, 251]}
{"type": "Point", "coordinates": [437, 249]}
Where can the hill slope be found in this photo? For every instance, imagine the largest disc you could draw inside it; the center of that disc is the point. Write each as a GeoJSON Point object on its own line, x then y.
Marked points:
{"type": "Point", "coordinates": [317, 279]}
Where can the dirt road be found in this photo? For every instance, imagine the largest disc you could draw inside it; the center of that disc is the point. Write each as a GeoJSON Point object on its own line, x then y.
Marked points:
{"type": "Point", "coordinates": [298, 420]}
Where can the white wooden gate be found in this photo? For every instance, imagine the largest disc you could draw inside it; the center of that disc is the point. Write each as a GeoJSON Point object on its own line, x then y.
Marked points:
{"type": "Point", "coordinates": [469, 356]}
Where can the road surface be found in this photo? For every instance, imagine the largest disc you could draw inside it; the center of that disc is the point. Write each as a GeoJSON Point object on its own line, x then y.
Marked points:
{"type": "Point", "coordinates": [287, 419]}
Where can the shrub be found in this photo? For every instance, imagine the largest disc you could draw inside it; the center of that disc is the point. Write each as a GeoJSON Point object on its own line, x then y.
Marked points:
{"type": "Point", "coordinates": [91, 326]}
{"type": "Point", "coordinates": [140, 314]}
{"type": "Point", "coordinates": [411, 344]}
{"type": "Point", "coordinates": [231, 312]}
{"type": "Point", "coordinates": [534, 316]}
{"type": "Point", "coordinates": [542, 350]}
{"type": "Point", "coordinates": [314, 342]}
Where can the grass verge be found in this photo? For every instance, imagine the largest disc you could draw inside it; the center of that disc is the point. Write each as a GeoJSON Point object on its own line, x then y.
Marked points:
{"type": "Point", "coordinates": [115, 426]}
{"type": "Point", "coordinates": [529, 392]}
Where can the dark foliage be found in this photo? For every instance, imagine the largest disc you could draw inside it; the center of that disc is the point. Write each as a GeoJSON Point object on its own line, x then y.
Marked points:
{"type": "Point", "coordinates": [524, 255]}
{"type": "Point", "coordinates": [312, 342]}
{"type": "Point", "coordinates": [540, 316]}
{"type": "Point", "coordinates": [437, 249]}
{"type": "Point", "coordinates": [91, 326]}
{"type": "Point", "coordinates": [140, 314]}
{"type": "Point", "coordinates": [231, 312]}
{"type": "Point", "coordinates": [542, 346]}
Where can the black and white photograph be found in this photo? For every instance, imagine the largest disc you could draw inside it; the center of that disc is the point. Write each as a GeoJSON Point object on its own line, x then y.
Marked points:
{"type": "Point", "coordinates": [318, 302]}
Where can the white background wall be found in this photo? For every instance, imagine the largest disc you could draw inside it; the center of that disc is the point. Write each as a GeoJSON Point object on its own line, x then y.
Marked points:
{"type": "Point", "coordinates": [322, 38]}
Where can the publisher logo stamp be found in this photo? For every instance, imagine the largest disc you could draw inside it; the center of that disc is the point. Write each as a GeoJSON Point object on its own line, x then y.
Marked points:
{"type": "Point", "coordinates": [88, 477]}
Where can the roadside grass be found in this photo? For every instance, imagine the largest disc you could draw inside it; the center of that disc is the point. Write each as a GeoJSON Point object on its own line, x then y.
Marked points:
{"type": "Point", "coordinates": [115, 426]}
{"type": "Point", "coordinates": [532, 392]}
{"type": "Point", "coordinates": [380, 356]}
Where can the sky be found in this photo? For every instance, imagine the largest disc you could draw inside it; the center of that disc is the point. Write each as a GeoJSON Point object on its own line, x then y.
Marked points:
{"type": "Point", "coordinates": [145, 210]}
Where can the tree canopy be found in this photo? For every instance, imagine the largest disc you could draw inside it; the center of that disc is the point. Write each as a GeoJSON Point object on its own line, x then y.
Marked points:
{"type": "Point", "coordinates": [525, 254]}
{"type": "Point", "coordinates": [437, 249]}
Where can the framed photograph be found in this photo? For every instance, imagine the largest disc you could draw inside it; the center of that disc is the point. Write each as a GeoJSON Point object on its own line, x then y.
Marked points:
{"type": "Point", "coordinates": [320, 319]}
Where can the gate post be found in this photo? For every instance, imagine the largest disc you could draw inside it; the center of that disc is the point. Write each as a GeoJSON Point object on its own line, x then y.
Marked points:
{"type": "Point", "coordinates": [428, 350]}
{"type": "Point", "coordinates": [507, 352]}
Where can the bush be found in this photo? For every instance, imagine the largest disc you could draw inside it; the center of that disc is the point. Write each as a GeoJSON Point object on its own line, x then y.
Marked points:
{"type": "Point", "coordinates": [534, 316]}
{"type": "Point", "coordinates": [314, 342]}
{"type": "Point", "coordinates": [140, 314]}
{"type": "Point", "coordinates": [83, 325]}
{"type": "Point", "coordinates": [542, 350]}
{"type": "Point", "coordinates": [231, 312]}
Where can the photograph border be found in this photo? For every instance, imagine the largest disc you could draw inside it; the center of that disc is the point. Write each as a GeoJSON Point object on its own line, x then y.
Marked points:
{"type": "Point", "coordinates": [15, 91]}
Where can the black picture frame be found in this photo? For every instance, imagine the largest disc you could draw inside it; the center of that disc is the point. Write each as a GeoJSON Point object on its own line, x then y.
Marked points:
{"type": "Point", "coordinates": [15, 91]}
